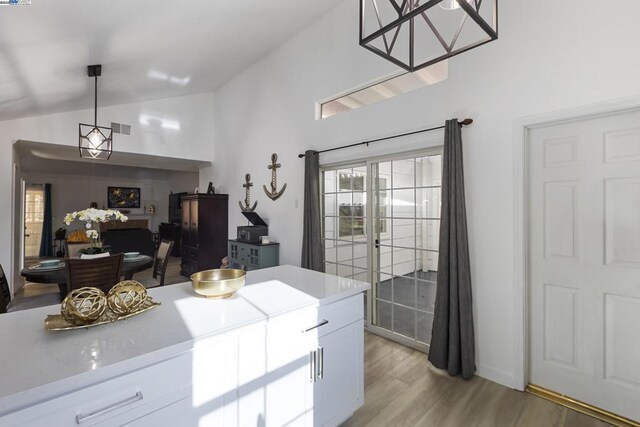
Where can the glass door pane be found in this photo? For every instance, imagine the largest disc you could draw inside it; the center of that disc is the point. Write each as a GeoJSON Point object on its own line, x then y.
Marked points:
{"type": "Point", "coordinates": [405, 223]}
{"type": "Point", "coordinates": [345, 221]}
{"type": "Point", "coordinates": [381, 224]}
{"type": "Point", "coordinates": [33, 219]}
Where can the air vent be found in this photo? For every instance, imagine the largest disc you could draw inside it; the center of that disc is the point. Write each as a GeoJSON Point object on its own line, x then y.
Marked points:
{"type": "Point", "coordinates": [121, 128]}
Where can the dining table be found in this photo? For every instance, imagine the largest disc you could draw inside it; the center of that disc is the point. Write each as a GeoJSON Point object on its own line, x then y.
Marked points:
{"type": "Point", "coordinates": [58, 273]}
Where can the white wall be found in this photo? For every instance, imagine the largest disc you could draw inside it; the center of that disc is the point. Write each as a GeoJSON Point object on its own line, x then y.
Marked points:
{"type": "Point", "coordinates": [74, 192]}
{"type": "Point", "coordinates": [188, 134]}
{"type": "Point", "coordinates": [551, 55]}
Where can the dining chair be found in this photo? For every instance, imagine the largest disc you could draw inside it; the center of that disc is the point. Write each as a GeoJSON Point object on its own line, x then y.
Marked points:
{"type": "Point", "coordinates": [160, 263]}
{"type": "Point", "coordinates": [102, 273]}
{"type": "Point", "coordinates": [72, 249]}
{"type": "Point", "coordinates": [8, 304]}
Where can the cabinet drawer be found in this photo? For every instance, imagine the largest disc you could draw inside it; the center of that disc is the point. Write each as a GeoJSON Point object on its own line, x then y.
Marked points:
{"type": "Point", "coordinates": [111, 398]}
{"type": "Point", "coordinates": [341, 313]}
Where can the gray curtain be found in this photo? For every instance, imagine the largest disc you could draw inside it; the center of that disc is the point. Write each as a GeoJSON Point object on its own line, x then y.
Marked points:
{"type": "Point", "coordinates": [312, 250]}
{"type": "Point", "coordinates": [452, 342]}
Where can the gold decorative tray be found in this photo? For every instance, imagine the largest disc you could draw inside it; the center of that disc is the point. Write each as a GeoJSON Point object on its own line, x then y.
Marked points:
{"type": "Point", "coordinates": [56, 322]}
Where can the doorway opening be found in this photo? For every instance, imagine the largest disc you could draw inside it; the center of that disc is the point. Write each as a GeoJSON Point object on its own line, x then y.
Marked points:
{"type": "Point", "coordinates": [33, 219]}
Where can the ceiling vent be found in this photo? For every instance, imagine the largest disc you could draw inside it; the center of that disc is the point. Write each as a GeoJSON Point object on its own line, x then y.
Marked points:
{"type": "Point", "coordinates": [121, 128]}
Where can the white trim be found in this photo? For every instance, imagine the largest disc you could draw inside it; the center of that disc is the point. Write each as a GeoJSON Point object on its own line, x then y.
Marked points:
{"type": "Point", "coordinates": [520, 307]}
{"type": "Point", "coordinates": [492, 374]}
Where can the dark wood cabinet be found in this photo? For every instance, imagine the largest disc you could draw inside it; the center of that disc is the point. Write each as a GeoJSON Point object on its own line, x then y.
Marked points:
{"type": "Point", "coordinates": [204, 231]}
{"type": "Point", "coordinates": [175, 207]}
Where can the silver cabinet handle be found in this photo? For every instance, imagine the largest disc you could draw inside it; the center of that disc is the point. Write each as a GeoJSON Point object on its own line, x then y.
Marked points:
{"type": "Point", "coordinates": [82, 418]}
{"type": "Point", "coordinates": [321, 363]}
{"type": "Point", "coordinates": [312, 366]}
{"type": "Point", "coordinates": [324, 322]}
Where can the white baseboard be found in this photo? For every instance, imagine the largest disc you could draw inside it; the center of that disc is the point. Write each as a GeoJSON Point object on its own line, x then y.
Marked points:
{"type": "Point", "coordinates": [491, 374]}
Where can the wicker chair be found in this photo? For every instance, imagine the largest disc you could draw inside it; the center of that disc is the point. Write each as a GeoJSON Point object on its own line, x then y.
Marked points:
{"type": "Point", "coordinates": [102, 273]}
{"type": "Point", "coordinates": [159, 265]}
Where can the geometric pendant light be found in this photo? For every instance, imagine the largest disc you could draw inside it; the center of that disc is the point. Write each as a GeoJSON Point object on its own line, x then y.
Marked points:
{"type": "Point", "coordinates": [96, 142]}
{"type": "Point", "coordinates": [414, 34]}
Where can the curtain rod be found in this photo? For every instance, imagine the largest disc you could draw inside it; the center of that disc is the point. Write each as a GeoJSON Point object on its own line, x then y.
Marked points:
{"type": "Point", "coordinates": [465, 122]}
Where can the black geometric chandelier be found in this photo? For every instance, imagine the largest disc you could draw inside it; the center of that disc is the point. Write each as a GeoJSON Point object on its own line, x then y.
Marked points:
{"type": "Point", "coordinates": [96, 142]}
{"type": "Point", "coordinates": [414, 34]}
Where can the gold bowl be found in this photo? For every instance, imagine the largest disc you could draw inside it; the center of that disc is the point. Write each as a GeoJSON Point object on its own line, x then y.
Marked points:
{"type": "Point", "coordinates": [218, 283]}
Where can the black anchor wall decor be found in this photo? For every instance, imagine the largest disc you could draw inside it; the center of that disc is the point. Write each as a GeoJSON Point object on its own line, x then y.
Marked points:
{"type": "Point", "coordinates": [247, 199]}
{"type": "Point", "coordinates": [274, 194]}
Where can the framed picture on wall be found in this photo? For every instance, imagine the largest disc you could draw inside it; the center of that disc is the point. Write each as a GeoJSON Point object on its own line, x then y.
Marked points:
{"type": "Point", "coordinates": [123, 198]}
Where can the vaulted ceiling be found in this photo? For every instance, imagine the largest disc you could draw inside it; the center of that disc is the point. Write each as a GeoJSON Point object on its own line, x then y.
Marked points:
{"type": "Point", "coordinates": [149, 49]}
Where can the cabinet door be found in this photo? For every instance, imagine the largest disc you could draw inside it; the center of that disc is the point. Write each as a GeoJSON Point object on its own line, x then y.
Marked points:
{"type": "Point", "coordinates": [289, 380]}
{"type": "Point", "coordinates": [186, 220]}
{"type": "Point", "coordinates": [339, 390]}
{"type": "Point", "coordinates": [193, 226]}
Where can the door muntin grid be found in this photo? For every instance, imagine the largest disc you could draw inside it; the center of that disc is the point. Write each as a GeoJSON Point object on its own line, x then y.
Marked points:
{"type": "Point", "coordinates": [405, 259]}
{"type": "Point", "coordinates": [345, 221]}
{"type": "Point", "coordinates": [401, 232]}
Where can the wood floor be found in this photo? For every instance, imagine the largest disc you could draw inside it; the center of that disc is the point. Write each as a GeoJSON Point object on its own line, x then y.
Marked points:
{"type": "Point", "coordinates": [403, 389]}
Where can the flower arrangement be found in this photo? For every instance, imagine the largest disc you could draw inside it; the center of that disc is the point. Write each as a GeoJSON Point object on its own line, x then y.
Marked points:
{"type": "Point", "coordinates": [92, 217]}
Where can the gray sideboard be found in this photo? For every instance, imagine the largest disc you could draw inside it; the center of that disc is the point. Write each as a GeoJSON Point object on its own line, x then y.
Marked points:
{"type": "Point", "coordinates": [254, 256]}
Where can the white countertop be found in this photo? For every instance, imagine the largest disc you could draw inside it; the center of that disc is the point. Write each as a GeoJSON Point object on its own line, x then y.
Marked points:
{"type": "Point", "coordinates": [35, 362]}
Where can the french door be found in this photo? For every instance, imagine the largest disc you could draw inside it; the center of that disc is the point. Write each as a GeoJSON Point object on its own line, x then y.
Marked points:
{"type": "Point", "coordinates": [381, 222]}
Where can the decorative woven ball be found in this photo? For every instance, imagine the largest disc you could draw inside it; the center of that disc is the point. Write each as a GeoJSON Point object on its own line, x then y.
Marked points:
{"type": "Point", "coordinates": [126, 297]}
{"type": "Point", "coordinates": [83, 306]}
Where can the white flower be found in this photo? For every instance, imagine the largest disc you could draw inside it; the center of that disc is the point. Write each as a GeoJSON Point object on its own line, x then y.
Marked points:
{"type": "Point", "coordinates": [68, 218]}
{"type": "Point", "coordinates": [93, 215]}
{"type": "Point", "coordinates": [92, 234]}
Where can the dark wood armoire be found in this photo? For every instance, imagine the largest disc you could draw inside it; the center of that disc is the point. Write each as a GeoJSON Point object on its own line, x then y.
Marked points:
{"type": "Point", "coordinates": [205, 224]}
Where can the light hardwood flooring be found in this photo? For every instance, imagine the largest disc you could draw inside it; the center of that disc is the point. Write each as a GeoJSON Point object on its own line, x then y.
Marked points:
{"type": "Point", "coordinates": [403, 389]}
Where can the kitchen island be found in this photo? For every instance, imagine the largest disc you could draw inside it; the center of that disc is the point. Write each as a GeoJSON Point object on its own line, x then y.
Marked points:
{"type": "Point", "coordinates": [287, 349]}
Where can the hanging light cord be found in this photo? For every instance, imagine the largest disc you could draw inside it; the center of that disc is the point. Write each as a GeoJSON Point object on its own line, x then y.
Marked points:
{"type": "Point", "coordinates": [95, 103]}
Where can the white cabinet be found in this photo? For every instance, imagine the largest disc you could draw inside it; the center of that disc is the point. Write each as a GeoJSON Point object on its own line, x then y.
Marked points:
{"type": "Point", "coordinates": [339, 388]}
{"type": "Point", "coordinates": [313, 368]}
{"type": "Point", "coordinates": [337, 361]}
{"type": "Point", "coordinates": [124, 398]}
{"type": "Point", "coordinates": [297, 368]}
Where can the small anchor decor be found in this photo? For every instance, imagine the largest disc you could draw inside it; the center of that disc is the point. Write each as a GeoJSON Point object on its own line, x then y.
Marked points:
{"type": "Point", "coordinates": [247, 200]}
{"type": "Point", "coordinates": [274, 194]}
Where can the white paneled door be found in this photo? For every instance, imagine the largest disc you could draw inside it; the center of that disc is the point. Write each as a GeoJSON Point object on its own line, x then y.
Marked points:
{"type": "Point", "coordinates": [584, 261]}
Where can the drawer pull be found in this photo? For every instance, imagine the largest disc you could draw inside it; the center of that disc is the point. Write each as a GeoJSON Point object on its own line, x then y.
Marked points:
{"type": "Point", "coordinates": [82, 418]}
{"type": "Point", "coordinates": [321, 368]}
{"type": "Point", "coordinates": [312, 366]}
{"type": "Point", "coordinates": [324, 322]}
